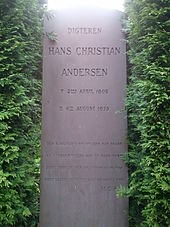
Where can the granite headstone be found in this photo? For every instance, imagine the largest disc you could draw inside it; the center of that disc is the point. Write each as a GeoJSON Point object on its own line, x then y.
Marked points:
{"type": "Point", "coordinates": [83, 120]}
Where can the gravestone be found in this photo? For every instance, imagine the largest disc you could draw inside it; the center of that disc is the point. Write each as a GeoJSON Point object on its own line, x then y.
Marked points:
{"type": "Point", "coordinates": [83, 120]}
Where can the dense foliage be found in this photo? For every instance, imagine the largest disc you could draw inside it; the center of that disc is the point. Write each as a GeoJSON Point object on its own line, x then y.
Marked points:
{"type": "Point", "coordinates": [149, 112]}
{"type": "Point", "coordinates": [20, 86]}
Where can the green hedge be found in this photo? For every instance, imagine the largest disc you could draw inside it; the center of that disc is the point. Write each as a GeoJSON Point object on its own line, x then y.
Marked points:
{"type": "Point", "coordinates": [148, 105]}
{"type": "Point", "coordinates": [20, 86]}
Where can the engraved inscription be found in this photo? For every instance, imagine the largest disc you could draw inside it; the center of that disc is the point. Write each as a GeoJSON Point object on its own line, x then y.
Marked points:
{"type": "Point", "coordinates": [85, 108]}
{"type": "Point", "coordinates": [85, 91]}
{"type": "Point", "coordinates": [87, 51]}
{"type": "Point", "coordinates": [84, 72]}
{"type": "Point", "coordinates": [84, 31]}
